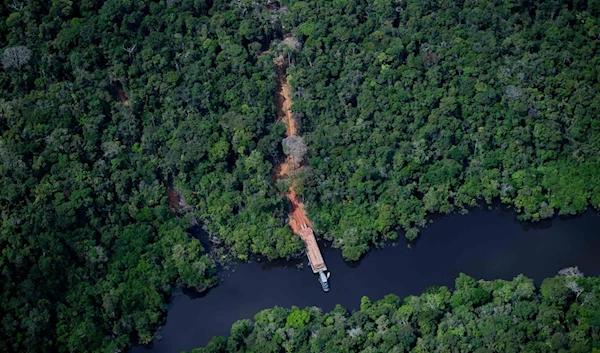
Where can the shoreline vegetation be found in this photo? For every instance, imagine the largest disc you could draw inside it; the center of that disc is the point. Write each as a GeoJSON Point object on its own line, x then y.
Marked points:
{"type": "Point", "coordinates": [408, 108]}
{"type": "Point", "coordinates": [562, 315]}
{"type": "Point", "coordinates": [434, 107]}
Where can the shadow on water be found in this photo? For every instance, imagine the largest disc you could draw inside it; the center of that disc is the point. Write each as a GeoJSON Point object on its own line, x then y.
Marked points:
{"type": "Point", "coordinates": [266, 265]}
{"type": "Point", "coordinates": [541, 225]}
{"type": "Point", "coordinates": [199, 233]}
{"type": "Point", "coordinates": [487, 243]}
{"type": "Point", "coordinates": [192, 293]}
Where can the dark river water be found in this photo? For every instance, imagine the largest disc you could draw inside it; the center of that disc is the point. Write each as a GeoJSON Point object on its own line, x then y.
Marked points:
{"type": "Point", "coordinates": [485, 244]}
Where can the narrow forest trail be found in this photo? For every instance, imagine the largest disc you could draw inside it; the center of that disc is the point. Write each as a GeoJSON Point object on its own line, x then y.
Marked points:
{"type": "Point", "coordinates": [283, 99]}
{"type": "Point", "coordinates": [123, 98]}
{"type": "Point", "coordinates": [120, 92]}
{"type": "Point", "coordinates": [283, 102]}
{"type": "Point", "coordinates": [298, 219]}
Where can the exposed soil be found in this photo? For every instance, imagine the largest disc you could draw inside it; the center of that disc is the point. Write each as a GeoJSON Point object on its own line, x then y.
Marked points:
{"type": "Point", "coordinates": [283, 101]}
{"type": "Point", "coordinates": [174, 202]}
{"type": "Point", "coordinates": [120, 92]}
{"type": "Point", "coordinates": [123, 98]}
{"type": "Point", "coordinates": [298, 218]}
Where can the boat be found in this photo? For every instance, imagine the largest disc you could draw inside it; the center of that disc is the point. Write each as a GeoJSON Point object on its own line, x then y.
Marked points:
{"type": "Point", "coordinates": [324, 280]}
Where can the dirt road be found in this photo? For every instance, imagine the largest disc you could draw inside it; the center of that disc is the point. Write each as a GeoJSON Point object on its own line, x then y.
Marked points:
{"type": "Point", "coordinates": [298, 220]}
{"type": "Point", "coordinates": [283, 99]}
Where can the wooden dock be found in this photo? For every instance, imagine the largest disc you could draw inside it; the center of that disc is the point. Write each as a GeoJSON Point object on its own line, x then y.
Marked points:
{"type": "Point", "coordinates": [312, 250]}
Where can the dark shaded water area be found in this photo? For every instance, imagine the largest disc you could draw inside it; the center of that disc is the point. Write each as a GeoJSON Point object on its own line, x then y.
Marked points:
{"type": "Point", "coordinates": [485, 244]}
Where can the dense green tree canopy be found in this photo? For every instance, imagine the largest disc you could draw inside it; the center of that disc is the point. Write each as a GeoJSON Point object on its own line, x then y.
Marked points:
{"type": "Point", "coordinates": [407, 108]}
{"type": "Point", "coordinates": [478, 316]}
{"type": "Point", "coordinates": [416, 107]}
{"type": "Point", "coordinates": [103, 105]}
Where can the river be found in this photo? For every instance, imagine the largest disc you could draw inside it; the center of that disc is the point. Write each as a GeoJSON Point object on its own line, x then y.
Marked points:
{"type": "Point", "coordinates": [485, 244]}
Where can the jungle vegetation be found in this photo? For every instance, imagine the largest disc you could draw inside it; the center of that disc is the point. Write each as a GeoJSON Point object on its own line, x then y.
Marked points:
{"type": "Point", "coordinates": [407, 108]}
{"type": "Point", "coordinates": [418, 107]}
{"type": "Point", "coordinates": [563, 315]}
{"type": "Point", "coordinates": [102, 106]}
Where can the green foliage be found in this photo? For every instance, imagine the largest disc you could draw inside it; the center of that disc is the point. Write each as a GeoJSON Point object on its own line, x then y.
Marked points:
{"type": "Point", "coordinates": [408, 108]}
{"type": "Point", "coordinates": [508, 316]}
{"type": "Point", "coordinates": [297, 319]}
{"type": "Point", "coordinates": [420, 107]}
{"type": "Point", "coordinates": [118, 100]}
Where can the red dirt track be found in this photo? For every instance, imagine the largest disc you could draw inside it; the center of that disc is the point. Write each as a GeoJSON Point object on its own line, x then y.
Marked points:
{"type": "Point", "coordinates": [298, 220]}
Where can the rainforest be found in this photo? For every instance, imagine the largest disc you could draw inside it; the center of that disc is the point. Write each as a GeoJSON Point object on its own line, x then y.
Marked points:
{"type": "Point", "coordinates": [477, 316]}
{"type": "Point", "coordinates": [123, 123]}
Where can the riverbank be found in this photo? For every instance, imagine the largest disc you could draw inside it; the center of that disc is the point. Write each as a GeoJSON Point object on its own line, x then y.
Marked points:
{"type": "Point", "coordinates": [485, 244]}
{"type": "Point", "coordinates": [477, 316]}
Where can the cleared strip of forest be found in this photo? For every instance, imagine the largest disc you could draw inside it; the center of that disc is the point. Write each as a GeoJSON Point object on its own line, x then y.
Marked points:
{"type": "Point", "coordinates": [298, 220]}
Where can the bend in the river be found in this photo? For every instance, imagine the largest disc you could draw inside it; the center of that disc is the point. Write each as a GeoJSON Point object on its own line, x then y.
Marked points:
{"type": "Point", "coordinates": [485, 244]}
